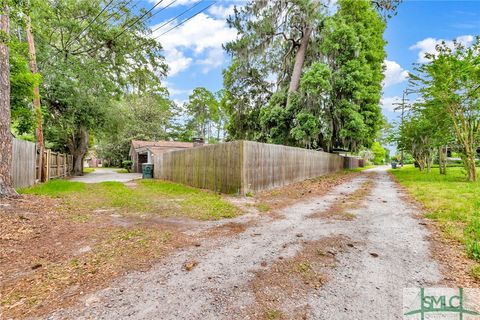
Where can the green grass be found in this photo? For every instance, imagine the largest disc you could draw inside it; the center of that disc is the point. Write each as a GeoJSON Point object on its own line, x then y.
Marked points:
{"type": "Point", "coordinates": [54, 188]}
{"type": "Point", "coordinates": [122, 171]}
{"type": "Point", "coordinates": [475, 271]}
{"type": "Point", "coordinates": [149, 196]}
{"type": "Point", "coordinates": [88, 170]}
{"type": "Point", "coordinates": [273, 314]}
{"type": "Point", "coordinates": [449, 199]}
{"type": "Point", "coordinates": [360, 169]}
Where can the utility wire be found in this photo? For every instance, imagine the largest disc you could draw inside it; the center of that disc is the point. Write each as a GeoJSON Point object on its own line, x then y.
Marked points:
{"type": "Point", "coordinates": [124, 7]}
{"type": "Point", "coordinates": [138, 19]}
{"type": "Point", "coordinates": [93, 20]}
{"type": "Point", "coordinates": [179, 15]}
{"type": "Point", "coordinates": [109, 17]}
{"type": "Point", "coordinates": [178, 25]}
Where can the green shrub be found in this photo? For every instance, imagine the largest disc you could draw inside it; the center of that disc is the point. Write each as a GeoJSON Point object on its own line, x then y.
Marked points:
{"type": "Point", "coordinates": [127, 164]}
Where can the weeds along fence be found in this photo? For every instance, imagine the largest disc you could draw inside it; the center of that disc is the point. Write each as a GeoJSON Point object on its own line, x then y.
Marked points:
{"type": "Point", "coordinates": [245, 166]}
{"type": "Point", "coordinates": [25, 160]}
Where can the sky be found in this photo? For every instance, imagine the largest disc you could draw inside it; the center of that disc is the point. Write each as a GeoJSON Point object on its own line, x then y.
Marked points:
{"type": "Point", "coordinates": [195, 56]}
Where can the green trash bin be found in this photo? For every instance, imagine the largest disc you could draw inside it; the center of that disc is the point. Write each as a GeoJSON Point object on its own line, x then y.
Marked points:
{"type": "Point", "coordinates": [147, 170]}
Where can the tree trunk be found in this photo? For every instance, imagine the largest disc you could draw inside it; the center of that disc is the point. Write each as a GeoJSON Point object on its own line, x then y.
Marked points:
{"type": "Point", "coordinates": [36, 93]}
{"type": "Point", "coordinates": [299, 60]}
{"type": "Point", "coordinates": [78, 147]}
{"type": "Point", "coordinates": [6, 184]}
{"type": "Point", "coordinates": [469, 163]}
{"type": "Point", "coordinates": [442, 159]}
{"type": "Point", "coordinates": [429, 164]}
{"type": "Point", "coordinates": [421, 162]}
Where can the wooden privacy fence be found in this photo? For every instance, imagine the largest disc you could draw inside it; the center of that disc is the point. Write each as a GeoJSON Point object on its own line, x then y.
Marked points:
{"type": "Point", "coordinates": [353, 162]}
{"type": "Point", "coordinates": [25, 159]}
{"type": "Point", "coordinates": [23, 163]}
{"type": "Point", "coordinates": [244, 166]}
{"type": "Point", "coordinates": [55, 165]}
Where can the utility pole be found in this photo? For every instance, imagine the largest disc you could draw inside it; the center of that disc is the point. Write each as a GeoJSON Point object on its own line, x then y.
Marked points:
{"type": "Point", "coordinates": [36, 95]}
{"type": "Point", "coordinates": [402, 106]}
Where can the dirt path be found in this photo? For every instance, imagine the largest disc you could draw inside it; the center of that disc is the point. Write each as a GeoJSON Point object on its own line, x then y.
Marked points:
{"type": "Point", "coordinates": [106, 174]}
{"type": "Point", "coordinates": [387, 252]}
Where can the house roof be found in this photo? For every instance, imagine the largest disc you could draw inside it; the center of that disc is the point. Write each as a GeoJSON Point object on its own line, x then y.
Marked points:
{"type": "Point", "coordinates": [137, 144]}
{"type": "Point", "coordinates": [158, 150]}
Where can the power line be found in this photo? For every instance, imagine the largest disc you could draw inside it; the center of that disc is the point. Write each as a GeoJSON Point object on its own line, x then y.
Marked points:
{"type": "Point", "coordinates": [138, 19]}
{"type": "Point", "coordinates": [124, 7]}
{"type": "Point", "coordinates": [179, 15]}
{"type": "Point", "coordinates": [93, 20]}
{"type": "Point", "coordinates": [110, 16]}
{"type": "Point", "coordinates": [178, 25]}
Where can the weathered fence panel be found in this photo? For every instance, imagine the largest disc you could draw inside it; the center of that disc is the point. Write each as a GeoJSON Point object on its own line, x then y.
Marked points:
{"type": "Point", "coordinates": [23, 163]}
{"type": "Point", "coordinates": [243, 166]}
{"type": "Point", "coordinates": [268, 166]}
{"type": "Point", "coordinates": [216, 167]}
{"type": "Point", "coordinates": [59, 164]}
{"type": "Point", "coordinates": [353, 162]}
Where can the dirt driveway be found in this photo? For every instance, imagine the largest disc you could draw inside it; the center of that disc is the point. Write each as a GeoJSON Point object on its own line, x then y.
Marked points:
{"type": "Point", "coordinates": [106, 174]}
{"type": "Point", "coordinates": [366, 254]}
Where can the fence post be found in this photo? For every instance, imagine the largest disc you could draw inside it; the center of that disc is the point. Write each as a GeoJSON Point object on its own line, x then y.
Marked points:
{"type": "Point", "coordinates": [65, 165]}
{"type": "Point", "coordinates": [58, 165]}
{"type": "Point", "coordinates": [47, 163]}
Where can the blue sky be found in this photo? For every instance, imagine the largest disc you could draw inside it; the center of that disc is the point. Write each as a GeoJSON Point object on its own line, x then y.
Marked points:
{"type": "Point", "coordinates": [195, 56]}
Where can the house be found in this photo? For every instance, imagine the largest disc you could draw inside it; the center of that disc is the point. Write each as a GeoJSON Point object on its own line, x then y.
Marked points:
{"type": "Point", "coordinates": [143, 151]}
{"type": "Point", "coordinates": [91, 160]}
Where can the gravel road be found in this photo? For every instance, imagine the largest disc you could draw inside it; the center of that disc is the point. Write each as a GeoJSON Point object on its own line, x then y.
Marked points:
{"type": "Point", "coordinates": [391, 252]}
{"type": "Point", "coordinates": [106, 174]}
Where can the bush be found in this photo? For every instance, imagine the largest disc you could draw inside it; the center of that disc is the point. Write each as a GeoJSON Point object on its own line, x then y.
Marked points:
{"type": "Point", "coordinates": [379, 153]}
{"type": "Point", "coordinates": [127, 164]}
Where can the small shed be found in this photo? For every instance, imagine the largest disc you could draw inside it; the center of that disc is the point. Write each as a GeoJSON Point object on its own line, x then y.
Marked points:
{"type": "Point", "coordinates": [142, 151]}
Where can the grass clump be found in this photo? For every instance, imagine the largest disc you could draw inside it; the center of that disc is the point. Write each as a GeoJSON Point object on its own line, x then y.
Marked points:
{"type": "Point", "coordinates": [449, 199]}
{"type": "Point", "coordinates": [262, 207]}
{"type": "Point", "coordinates": [273, 314]}
{"type": "Point", "coordinates": [88, 170]}
{"type": "Point", "coordinates": [475, 271]}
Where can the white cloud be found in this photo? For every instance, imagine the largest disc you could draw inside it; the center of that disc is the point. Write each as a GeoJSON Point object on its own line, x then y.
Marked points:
{"type": "Point", "coordinates": [387, 103]}
{"type": "Point", "coordinates": [214, 58]}
{"type": "Point", "coordinates": [175, 91]}
{"type": "Point", "coordinates": [394, 73]}
{"type": "Point", "coordinates": [199, 41]}
{"type": "Point", "coordinates": [428, 45]}
{"type": "Point", "coordinates": [221, 12]}
{"type": "Point", "coordinates": [177, 61]}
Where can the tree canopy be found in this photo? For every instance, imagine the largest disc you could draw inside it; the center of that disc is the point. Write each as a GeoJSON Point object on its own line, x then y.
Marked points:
{"type": "Point", "coordinates": [448, 113]}
{"type": "Point", "coordinates": [326, 90]}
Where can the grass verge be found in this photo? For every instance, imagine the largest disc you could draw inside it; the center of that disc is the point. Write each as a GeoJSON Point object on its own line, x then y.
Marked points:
{"type": "Point", "coordinates": [450, 200]}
